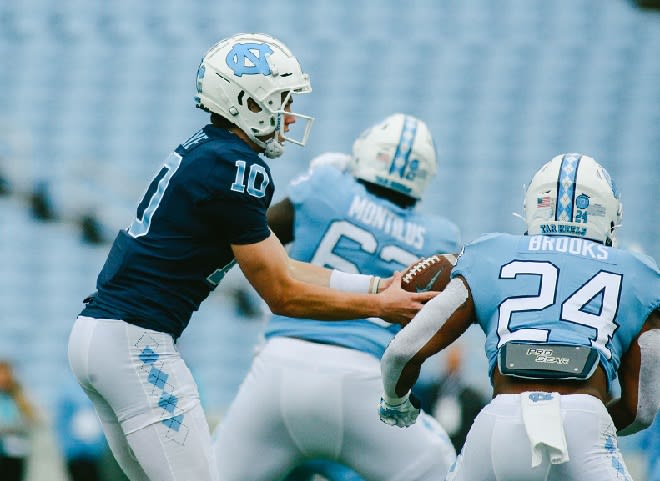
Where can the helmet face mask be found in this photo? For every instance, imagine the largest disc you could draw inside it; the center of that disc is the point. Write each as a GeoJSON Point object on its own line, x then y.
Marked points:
{"type": "Point", "coordinates": [573, 195]}
{"type": "Point", "coordinates": [397, 153]}
{"type": "Point", "coordinates": [248, 70]}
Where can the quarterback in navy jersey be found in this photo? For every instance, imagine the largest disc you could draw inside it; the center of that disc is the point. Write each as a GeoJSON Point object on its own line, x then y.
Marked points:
{"type": "Point", "coordinates": [204, 212]}
{"type": "Point", "coordinates": [565, 314]}
{"type": "Point", "coordinates": [355, 213]}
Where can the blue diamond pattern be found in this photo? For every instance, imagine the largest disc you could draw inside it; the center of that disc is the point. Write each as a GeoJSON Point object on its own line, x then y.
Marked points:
{"type": "Point", "coordinates": [403, 150]}
{"type": "Point", "coordinates": [610, 444]}
{"type": "Point", "coordinates": [148, 356]}
{"type": "Point", "coordinates": [168, 402]}
{"type": "Point", "coordinates": [566, 193]}
{"type": "Point", "coordinates": [157, 377]}
{"type": "Point", "coordinates": [174, 423]}
{"type": "Point", "coordinates": [616, 464]}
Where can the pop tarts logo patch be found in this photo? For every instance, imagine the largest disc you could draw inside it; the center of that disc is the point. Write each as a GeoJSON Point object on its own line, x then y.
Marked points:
{"type": "Point", "coordinates": [249, 59]}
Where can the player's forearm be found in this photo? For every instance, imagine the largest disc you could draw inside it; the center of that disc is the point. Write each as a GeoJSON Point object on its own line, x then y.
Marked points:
{"type": "Point", "coordinates": [317, 302]}
{"type": "Point", "coordinates": [335, 279]}
{"type": "Point", "coordinates": [440, 322]}
{"type": "Point", "coordinates": [313, 274]}
{"type": "Point", "coordinates": [640, 385]}
{"type": "Point", "coordinates": [397, 382]}
{"type": "Point", "coordinates": [622, 415]}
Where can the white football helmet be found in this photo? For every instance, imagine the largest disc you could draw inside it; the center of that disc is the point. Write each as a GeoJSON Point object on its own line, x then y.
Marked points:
{"type": "Point", "coordinates": [573, 195]}
{"type": "Point", "coordinates": [397, 153]}
{"type": "Point", "coordinates": [256, 66]}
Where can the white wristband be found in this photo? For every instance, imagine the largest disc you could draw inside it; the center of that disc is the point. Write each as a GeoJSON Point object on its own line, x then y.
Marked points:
{"type": "Point", "coordinates": [344, 281]}
{"type": "Point", "coordinates": [373, 288]}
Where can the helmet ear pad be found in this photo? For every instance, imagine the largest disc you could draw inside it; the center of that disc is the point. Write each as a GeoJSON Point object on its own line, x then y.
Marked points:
{"type": "Point", "coordinates": [573, 195]}
{"type": "Point", "coordinates": [398, 153]}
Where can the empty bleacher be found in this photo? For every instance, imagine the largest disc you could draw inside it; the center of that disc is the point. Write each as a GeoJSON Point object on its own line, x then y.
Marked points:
{"type": "Point", "coordinates": [93, 95]}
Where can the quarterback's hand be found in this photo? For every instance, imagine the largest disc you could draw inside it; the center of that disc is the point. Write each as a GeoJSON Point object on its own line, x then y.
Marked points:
{"type": "Point", "coordinates": [401, 412]}
{"type": "Point", "coordinates": [399, 306]}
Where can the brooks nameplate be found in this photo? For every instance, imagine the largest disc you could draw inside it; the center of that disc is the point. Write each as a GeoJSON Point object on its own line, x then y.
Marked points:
{"type": "Point", "coordinates": [547, 361]}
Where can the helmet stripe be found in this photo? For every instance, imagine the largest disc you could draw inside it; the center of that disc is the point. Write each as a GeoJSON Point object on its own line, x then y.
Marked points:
{"type": "Point", "coordinates": [566, 187]}
{"type": "Point", "coordinates": [404, 148]}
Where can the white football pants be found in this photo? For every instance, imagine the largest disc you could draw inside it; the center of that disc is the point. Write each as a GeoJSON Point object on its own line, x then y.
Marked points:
{"type": "Point", "coordinates": [498, 448]}
{"type": "Point", "coordinates": [146, 399]}
{"type": "Point", "coordinates": [303, 400]}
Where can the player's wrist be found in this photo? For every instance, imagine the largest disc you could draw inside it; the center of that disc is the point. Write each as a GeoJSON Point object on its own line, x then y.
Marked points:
{"type": "Point", "coordinates": [396, 400]}
{"type": "Point", "coordinates": [374, 286]}
{"type": "Point", "coordinates": [358, 283]}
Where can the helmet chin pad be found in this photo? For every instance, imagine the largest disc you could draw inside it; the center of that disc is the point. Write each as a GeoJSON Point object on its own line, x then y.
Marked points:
{"type": "Point", "coordinates": [273, 149]}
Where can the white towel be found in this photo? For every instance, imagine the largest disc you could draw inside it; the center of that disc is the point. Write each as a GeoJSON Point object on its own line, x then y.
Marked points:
{"type": "Point", "coordinates": [541, 413]}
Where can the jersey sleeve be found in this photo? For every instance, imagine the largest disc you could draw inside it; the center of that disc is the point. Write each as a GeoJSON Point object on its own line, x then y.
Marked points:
{"type": "Point", "coordinates": [241, 218]}
{"type": "Point", "coordinates": [650, 279]}
{"type": "Point", "coordinates": [472, 258]}
{"type": "Point", "coordinates": [240, 214]}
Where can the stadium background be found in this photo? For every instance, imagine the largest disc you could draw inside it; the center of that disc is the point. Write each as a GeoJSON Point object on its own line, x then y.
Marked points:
{"type": "Point", "coordinates": [94, 94]}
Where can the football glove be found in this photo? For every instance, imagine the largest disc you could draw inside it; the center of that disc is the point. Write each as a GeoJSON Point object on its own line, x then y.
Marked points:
{"type": "Point", "coordinates": [401, 412]}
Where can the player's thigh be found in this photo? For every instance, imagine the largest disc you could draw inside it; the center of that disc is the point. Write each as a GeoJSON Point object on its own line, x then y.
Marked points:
{"type": "Point", "coordinates": [116, 439]}
{"type": "Point", "coordinates": [252, 441]}
{"type": "Point", "coordinates": [497, 448]}
{"type": "Point", "coordinates": [592, 443]}
{"type": "Point", "coordinates": [138, 372]}
{"type": "Point", "coordinates": [165, 455]}
{"type": "Point", "coordinates": [419, 453]}
{"type": "Point", "coordinates": [147, 387]}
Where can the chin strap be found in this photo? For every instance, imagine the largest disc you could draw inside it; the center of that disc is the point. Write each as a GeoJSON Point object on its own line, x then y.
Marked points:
{"type": "Point", "coordinates": [273, 149]}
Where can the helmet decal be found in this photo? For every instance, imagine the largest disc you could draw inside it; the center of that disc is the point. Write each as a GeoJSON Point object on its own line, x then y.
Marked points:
{"type": "Point", "coordinates": [404, 148]}
{"type": "Point", "coordinates": [582, 201]}
{"type": "Point", "coordinates": [249, 59]}
{"type": "Point", "coordinates": [200, 76]}
{"type": "Point", "coordinates": [566, 187]}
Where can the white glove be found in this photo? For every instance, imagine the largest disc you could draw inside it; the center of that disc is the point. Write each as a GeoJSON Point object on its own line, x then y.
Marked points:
{"type": "Point", "coordinates": [401, 412]}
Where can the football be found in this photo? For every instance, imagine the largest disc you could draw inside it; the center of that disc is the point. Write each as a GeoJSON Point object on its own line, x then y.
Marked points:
{"type": "Point", "coordinates": [428, 274]}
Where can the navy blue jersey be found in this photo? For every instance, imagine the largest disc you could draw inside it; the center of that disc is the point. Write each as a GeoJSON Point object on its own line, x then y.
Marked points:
{"type": "Point", "coordinates": [211, 192]}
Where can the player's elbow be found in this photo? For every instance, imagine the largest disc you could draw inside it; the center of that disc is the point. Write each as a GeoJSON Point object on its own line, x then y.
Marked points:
{"type": "Point", "coordinates": [280, 295]}
{"type": "Point", "coordinates": [278, 305]}
{"type": "Point", "coordinates": [396, 356]}
{"type": "Point", "coordinates": [283, 302]}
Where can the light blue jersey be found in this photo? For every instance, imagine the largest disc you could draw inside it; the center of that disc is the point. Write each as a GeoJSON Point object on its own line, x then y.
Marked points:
{"type": "Point", "coordinates": [564, 290]}
{"type": "Point", "coordinates": [340, 225]}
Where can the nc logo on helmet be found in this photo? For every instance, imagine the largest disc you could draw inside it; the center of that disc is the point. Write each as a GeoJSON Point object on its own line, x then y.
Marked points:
{"type": "Point", "coordinates": [249, 59]}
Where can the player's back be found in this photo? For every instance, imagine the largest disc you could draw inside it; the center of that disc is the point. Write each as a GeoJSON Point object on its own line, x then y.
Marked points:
{"type": "Point", "coordinates": [555, 289]}
{"type": "Point", "coordinates": [340, 225]}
